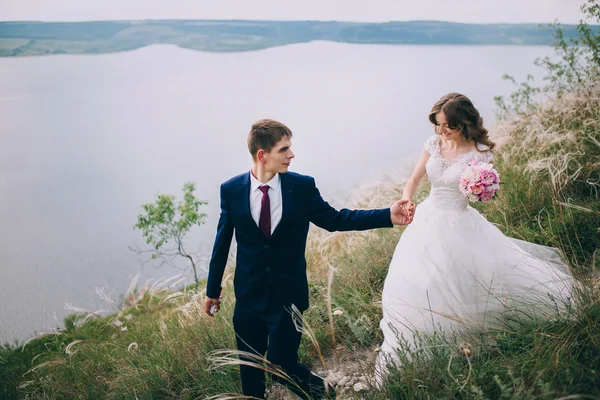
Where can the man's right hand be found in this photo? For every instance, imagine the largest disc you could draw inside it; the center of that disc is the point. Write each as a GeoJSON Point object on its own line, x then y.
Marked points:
{"type": "Point", "coordinates": [211, 306]}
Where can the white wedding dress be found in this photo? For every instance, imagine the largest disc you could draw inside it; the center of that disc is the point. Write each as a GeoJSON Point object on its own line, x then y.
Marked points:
{"type": "Point", "coordinates": [452, 267]}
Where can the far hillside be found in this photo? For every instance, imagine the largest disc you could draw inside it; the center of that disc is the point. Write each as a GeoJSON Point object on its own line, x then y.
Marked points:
{"type": "Point", "coordinates": [94, 37]}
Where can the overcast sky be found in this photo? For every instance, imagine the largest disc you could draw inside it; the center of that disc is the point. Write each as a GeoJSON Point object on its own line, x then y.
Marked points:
{"type": "Point", "coordinates": [476, 11]}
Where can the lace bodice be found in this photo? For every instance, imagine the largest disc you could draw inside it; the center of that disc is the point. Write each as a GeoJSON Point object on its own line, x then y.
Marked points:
{"type": "Point", "coordinates": [444, 173]}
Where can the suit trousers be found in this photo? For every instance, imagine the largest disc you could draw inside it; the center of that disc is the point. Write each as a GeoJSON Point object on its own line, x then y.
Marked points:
{"type": "Point", "coordinates": [272, 331]}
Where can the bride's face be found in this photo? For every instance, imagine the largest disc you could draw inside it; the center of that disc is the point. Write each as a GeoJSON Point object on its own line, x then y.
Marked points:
{"type": "Point", "coordinates": [443, 129]}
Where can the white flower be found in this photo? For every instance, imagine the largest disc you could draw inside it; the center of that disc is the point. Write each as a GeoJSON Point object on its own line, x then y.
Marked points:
{"type": "Point", "coordinates": [470, 174]}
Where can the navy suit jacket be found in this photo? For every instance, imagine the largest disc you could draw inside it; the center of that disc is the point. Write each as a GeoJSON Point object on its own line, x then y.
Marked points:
{"type": "Point", "coordinates": [274, 269]}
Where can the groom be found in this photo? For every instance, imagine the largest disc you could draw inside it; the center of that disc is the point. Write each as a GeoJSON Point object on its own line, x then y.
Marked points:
{"type": "Point", "coordinates": [269, 209]}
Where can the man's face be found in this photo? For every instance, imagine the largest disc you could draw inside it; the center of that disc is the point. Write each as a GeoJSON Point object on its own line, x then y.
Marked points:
{"type": "Point", "coordinates": [279, 158]}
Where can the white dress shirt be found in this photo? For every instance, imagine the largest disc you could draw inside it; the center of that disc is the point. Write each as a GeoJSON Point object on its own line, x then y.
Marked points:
{"type": "Point", "coordinates": [274, 197]}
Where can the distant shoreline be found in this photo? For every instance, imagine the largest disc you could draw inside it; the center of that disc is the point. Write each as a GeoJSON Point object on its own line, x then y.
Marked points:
{"type": "Point", "coordinates": [26, 38]}
{"type": "Point", "coordinates": [250, 50]}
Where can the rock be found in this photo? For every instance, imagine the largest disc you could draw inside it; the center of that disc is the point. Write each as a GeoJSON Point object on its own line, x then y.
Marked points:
{"type": "Point", "coordinates": [360, 386]}
{"type": "Point", "coordinates": [343, 381]}
{"type": "Point", "coordinates": [334, 377]}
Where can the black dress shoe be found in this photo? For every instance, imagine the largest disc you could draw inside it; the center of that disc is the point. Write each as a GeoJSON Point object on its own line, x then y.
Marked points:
{"type": "Point", "coordinates": [320, 389]}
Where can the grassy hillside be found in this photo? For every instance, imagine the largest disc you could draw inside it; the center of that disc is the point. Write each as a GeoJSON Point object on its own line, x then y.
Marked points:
{"type": "Point", "coordinates": [38, 38]}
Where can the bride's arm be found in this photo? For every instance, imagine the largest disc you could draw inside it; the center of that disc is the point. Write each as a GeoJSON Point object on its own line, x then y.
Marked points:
{"type": "Point", "coordinates": [413, 182]}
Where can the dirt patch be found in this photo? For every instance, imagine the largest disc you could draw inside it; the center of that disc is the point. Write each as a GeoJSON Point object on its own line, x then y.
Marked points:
{"type": "Point", "coordinates": [351, 375]}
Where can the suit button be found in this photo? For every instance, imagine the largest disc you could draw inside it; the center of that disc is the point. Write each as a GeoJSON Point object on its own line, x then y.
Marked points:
{"type": "Point", "coordinates": [267, 246]}
{"type": "Point", "coordinates": [268, 269]}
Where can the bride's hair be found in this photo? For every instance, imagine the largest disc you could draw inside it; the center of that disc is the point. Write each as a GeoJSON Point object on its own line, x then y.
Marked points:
{"type": "Point", "coordinates": [462, 115]}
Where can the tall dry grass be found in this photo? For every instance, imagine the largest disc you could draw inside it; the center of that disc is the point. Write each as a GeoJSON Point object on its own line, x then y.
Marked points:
{"type": "Point", "coordinates": [551, 170]}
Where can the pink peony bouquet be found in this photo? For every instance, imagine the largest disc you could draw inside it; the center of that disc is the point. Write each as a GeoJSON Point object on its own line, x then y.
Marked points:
{"type": "Point", "coordinates": [479, 181]}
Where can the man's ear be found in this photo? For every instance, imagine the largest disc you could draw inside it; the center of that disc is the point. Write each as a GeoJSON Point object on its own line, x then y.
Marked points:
{"type": "Point", "coordinates": [260, 156]}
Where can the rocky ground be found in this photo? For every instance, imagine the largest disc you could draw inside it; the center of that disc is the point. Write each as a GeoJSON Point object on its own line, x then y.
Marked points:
{"type": "Point", "coordinates": [351, 376]}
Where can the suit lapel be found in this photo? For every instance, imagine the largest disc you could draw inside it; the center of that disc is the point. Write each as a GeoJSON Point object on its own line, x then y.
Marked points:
{"type": "Point", "coordinates": [244, 198]}
{"type": "Point", "coordinates": [245, 194]}
{"type": "Point", "coordinates": [287, 195]}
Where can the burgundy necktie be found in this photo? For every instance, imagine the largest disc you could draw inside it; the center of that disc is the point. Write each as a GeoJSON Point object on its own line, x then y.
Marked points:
{"type": "Point", "coordinates": [264, 222]}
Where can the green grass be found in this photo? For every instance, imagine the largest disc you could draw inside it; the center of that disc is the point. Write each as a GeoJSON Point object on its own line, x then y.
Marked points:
{"type": "Point", "coordinates": [158, 349]}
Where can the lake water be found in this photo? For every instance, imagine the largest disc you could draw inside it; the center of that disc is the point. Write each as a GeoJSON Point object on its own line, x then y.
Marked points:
{"type": "Point", "coordinates": [87, 139]}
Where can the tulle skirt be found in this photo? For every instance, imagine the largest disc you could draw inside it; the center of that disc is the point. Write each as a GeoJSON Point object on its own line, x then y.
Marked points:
{"type": "Point", "coordinates": [452, 268]}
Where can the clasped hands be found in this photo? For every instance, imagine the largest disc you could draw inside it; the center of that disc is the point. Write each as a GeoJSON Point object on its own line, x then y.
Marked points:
{"type": "Point", "coordinates": [402, 212]}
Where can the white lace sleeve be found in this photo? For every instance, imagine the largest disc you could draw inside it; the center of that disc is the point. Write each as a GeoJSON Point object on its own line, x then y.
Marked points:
{"type": "Point", "coordinates": [430, 144]}
{"type": "Point", "coordinates": [484, 154]}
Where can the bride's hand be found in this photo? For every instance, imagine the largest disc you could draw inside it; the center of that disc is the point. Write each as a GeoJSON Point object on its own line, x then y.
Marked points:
{"type": "Point", "coordinates": [411, 208]}
{"type": "Point", "coordinates": [402, 212]}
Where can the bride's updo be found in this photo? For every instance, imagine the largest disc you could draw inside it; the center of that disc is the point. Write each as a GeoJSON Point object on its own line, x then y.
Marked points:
{"type": "Point", "coordinates": [462, 115]}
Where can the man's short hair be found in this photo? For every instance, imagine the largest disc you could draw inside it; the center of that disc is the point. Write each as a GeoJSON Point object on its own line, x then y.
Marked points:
{"type": "Point", "coordinates": [265, 134]}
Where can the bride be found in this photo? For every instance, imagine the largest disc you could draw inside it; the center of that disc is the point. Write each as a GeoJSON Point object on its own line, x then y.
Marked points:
{"type": "Point", "coordinates": [451, 266]}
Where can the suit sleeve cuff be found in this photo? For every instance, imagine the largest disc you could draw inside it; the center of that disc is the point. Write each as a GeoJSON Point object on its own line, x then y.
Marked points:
{"type": "Point", "coordinates": [213, 293]}
{"type": "Point", "coordinates": [388, 212]}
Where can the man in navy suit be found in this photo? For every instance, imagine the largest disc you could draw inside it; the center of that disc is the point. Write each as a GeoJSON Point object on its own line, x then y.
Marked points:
{"type": "Point", "coordinates": [270, 209]}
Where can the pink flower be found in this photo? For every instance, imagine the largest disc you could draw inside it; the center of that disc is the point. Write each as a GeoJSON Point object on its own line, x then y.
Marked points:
{"type": "Point", "coordinates": [486, 196]}
{"type": "Point", "coordinates": [476, 188]}
{"type": "Point", "coordinates": [488, 177]}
